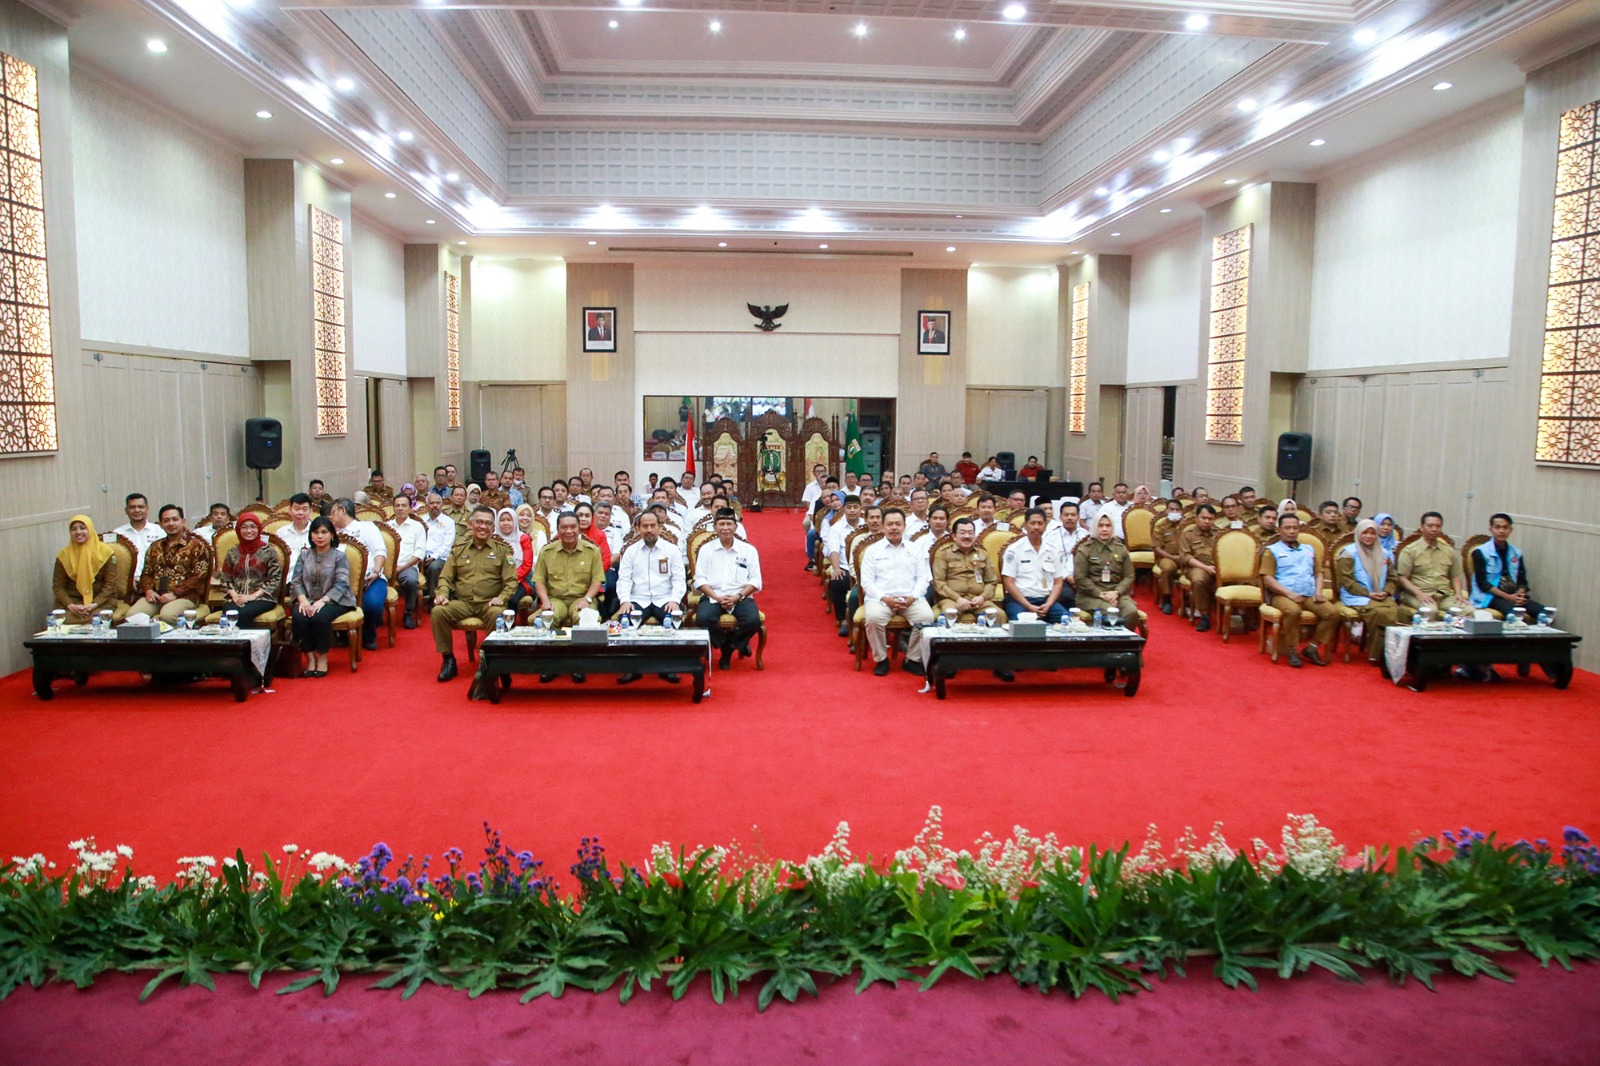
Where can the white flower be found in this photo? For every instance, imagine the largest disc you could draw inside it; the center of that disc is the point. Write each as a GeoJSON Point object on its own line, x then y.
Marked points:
{"type": "Point", "coordinates": [229, 862]}
{"type": "Point", "coordinates": [125, 851]}
{"type": "Point", "coordinates": [290, 849]}
{"type": "Point", "coordinates": [324, 861]}
{"type": "Point", "coordinates": [79, 845]}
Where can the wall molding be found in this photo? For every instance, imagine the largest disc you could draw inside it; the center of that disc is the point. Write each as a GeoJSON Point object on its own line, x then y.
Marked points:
{"type": "Point", "coordinates": [43, 518]}
{"type": "Point", "coordinates": [91, 348]}
{"type": "Point", "coordinates": [1312, 377]}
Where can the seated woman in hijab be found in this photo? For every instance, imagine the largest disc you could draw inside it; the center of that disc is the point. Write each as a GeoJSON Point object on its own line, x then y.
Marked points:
{"type": "Point", "coordinates": [1388, 535]}
{"type": "Point", "coordinates": [587, 528]}
{"type": "Point", "coordinates": [86, 580]}
{"type": "Point", "coordinates": [252, 573]}
{"type": "Point", "coordinates": [522, 551]}
{"type": "Point", "coordinates": [1365, 573]}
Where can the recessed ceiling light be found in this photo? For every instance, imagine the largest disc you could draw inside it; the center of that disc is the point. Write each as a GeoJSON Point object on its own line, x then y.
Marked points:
{"type": "Point", "coordinates": [1247, 105]}
{"type": "Point", "coordinates": [822, 246]}
{"type": "Point", "coordinates": [716, 25]}
{"type": "Point", "coordinates": [950, 248]}
{"type": "Point", "coordinates": [1230, 181]}
{"type": "Point", "coordinates": [629, 3]}
{"type": "Point", "coordinates": [1166, 210]}
{"type": "Point", "coordinates": [344, 85]}
{"type": "Point", "coordinates": [960, 34]}
{"type": "Point", "coordinates": [1365, 35]}
{"type": "Point", "coordinates": [156, 45]}
{"type": "Point", "coordinates": [461, 242]}
{"type": "Point", "coordinates": [861, 29]}
{"type": "Point", "coordinates": [452, 176]}
{"type": "Point", "coordinates": [1117, 234]}
{"type": "Point", "coordinates": [1442, 86]}
{"type": "Point", "coordinates": [388, 196]}
{"type": "Point", "coordinates": [1197, 22]}
{"type": "Point", "coordinates": [263, 114]}
{"type": "Point", "coordinates": [961, 216]}
{"type": "Point", "coordinates": [1102, 191]}
{"type": "Point", "coordinates": [336, 161]}
{"type": "Point", "coordinates": [722, 244]}
{"type": "Point", "coordinates": [1162, 156]}
{"type": "Point", "coordinates": [430, 221]}
{"type": "Point", "coordinates": [1318, 143]}
{"type": "Point", "coordinates": [404, 136]}
{"type": "Point", "coordinates": [613, 23]}
{"type": "Point", "coordinates": [592, 243]}
{"type": "Point", "coordinates": [1014, 12]}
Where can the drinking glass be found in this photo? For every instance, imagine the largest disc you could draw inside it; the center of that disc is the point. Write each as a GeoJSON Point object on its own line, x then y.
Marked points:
{"type": "Point", "coordinates": [54, 621]}
{"type": "Point", "coordinates": [1547, 617]}
{"type": "Point", "coordinates": [230, 621]}
{"type": "Point", "coordinates": [1519, 616]}
{"type": "Point", "coordinates": [948, 618]}
{"type": "Point", "coordinates": [1113, 617]}
{"type": "Point", "coordinates": [549, 620]}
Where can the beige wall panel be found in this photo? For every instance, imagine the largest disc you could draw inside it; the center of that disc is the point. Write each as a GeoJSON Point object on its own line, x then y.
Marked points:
{"type": "Point", "coordinates": [1141, 437]}
{"type": "Point", "coordinates": [515, 416]}
{"type": "Point", "coordinates": [932, 396]}
{"type": "Point", "coordinates": [1005, 420]}
{"type": "Point", "coordinates": [394, 428]}
{"type": "Point", "coordinates": [1012, 335]}
{"type": "Point", "coordinates": [602, 410]}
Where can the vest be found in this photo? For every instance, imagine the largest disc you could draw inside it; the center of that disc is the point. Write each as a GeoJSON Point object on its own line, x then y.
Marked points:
{"type": "Point", "coordinates": [1492, 571]}
{"type": "Point", "coordinates": [1350, 599]}
{"type": "Point", "coordinates": [1297, 568]}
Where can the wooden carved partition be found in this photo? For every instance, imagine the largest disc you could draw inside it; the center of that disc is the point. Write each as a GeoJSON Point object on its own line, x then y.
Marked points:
{"type": "Point", "coordinates": [819, 443]}
{"type": "Point", "coordinates": [779, 474]}
{"type": "Point", "coordinates": [724, 450]}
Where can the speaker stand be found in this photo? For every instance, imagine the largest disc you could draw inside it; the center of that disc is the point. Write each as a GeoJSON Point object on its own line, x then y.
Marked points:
{"type": "Point", "coordinates": [261, 486]}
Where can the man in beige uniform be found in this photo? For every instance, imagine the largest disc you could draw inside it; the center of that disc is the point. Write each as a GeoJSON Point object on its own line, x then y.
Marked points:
{"type": "Point", "coordinates": [1430, 570]}
{"type": "Point", "coordinates": [1105, 572]}
{"type": "Point", "coordinates": [1198, 547]}
{"type": "Point", "coordinates": [963, 576]}
{"type": "Point", "coordinates": [476, 582]}
{"type": "Point", "coordinates": [1164, 535]}
{"type": "Point", "coordinates": [568, 575]}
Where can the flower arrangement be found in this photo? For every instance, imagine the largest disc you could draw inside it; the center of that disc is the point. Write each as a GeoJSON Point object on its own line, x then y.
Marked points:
{"type": "Point", "coordinates": [1049, 916]}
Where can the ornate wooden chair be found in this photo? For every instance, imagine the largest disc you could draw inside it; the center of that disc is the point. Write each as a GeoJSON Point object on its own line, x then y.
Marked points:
{"type": "Point", "coordinates": [1238, 577]}
{"type": "Point", "coordinates": [277, 618]}
{"type": "Point", "coordinates": [699, 539]}
{"type": "Point", "coordinates": [391, 603]}
{"type": "Point", "coordinates": [1469, 567]}
{"type": "Point", "coordinates": [224, 540]}
{"type": "Point", "coordinates": [470, 627]}
{"type": "Point", "coordinates": [348, 624]}
{"type": "Point", "coordinates": [858, 543]}
{"type": "Point", "coordinates": [127, 555]}
{"type": "Point", "coordinates": [1137, 526]}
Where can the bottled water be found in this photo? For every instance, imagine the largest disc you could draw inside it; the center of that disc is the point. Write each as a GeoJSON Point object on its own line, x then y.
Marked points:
{"type": "Point", "coordinates": [54, 621]}
{"type": "Point", "coordinates": [102, 624]}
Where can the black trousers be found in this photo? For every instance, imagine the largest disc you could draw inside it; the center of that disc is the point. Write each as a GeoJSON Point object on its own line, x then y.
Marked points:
{"type": "Point", "coordinates": [746, 617]}
{"type": "Point", "coordinates": [249, 612]}
{"type": "Point", "coordinates": [838, 589]}
{"type": "Point", "coordinates": [315, 633]}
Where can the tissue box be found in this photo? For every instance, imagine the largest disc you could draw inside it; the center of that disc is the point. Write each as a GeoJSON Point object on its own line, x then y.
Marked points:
{"type": "Point", "coordinates": [1028, 629]}
{"type": "Point", "coordinates": [136, 632]}
{"type": "Point", "coordinates": [1483, 627]}
{"type": "Point", "coordinates": [588, 634]}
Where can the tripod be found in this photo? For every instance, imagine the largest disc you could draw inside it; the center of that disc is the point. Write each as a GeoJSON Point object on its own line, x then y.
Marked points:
{"type": "Point", "coordinates": [509, 463]}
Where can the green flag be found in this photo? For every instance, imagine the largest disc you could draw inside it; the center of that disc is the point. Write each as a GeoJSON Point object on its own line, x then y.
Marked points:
{"type": "Point", "coordinates": [855, 460]}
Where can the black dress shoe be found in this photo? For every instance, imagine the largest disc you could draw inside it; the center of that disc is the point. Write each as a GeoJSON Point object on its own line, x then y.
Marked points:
{"type": "Point", "coordinates": [671, 679]}
{"type": "Point", "coordinates": [545, 679]}
{"type": "Point", "coordinates": [1202, 626]}
{"type": "Point", "coordinates": [370, 646]}
{"type": "Point", "coordinates": [1314, 655]}
{"type": "Point", "coordinates": [744, 650]}
{"type": "Point", "coordinates": [628, 679]}
{"type": "Point", "coordinates": [578, 679]}
{"type": "Point", "coordinates": [844, 629]}
{"type": "Point", "coordinates": [1166, 608]}
{"type": "Point", "coordinates": [882, 669]}
{"type": "Point", "coordinates": [1005, 675]}
{"type": "Point", "coordinates": [410, 622]}
{"type": "Point", "coordinates": [911, 666]}
{"type": "Point", "coordinates": [1294, 660]}
{"type": "Point", "coordinates": [725, 659]}
{"type": "Point", "coordinates": [448, 670]}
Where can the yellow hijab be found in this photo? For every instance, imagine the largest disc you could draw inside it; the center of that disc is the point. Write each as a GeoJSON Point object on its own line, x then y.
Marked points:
{"type": "Point", "coordinates": [83, 561]}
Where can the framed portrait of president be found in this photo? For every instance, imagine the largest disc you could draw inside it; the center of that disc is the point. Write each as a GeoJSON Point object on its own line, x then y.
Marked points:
{"type": "Point", "coordinates": [933, 332]}
{"type": "Point", "coordinates": [599, 329]}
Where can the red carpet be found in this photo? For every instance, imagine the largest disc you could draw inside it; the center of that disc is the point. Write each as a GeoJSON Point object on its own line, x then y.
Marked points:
{"type": "Point", "coordinates": [776, 759]}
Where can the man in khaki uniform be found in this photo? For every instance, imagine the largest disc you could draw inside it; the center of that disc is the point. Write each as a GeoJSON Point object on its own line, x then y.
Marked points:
{"type": "Point", "coordinates": [1105, 572]}
{"type": "Point", "coordinates": [1430, 570]}
{"type": "Point", "coordinates": [963, 576]}
{"type": "Point", "coordinates": [1164, 537]}
{"type": "Point", "coordinates": [476, 582]}
{"type": "Point", "coordinates": [1198, 547]}
{"type": "Point", "coordinates": [377, 492]}
{"type": "Point", "coordinates": [568, 575]}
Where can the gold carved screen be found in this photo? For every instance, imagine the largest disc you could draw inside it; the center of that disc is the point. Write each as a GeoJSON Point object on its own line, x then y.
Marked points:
{"type": "Point", "coordinates": [452, 345]}
{"type": "Point", "coordinates": [1230, 299]}
{"type": "Point", "coordinates": [27, 369]}
{"type": "Point", "coordinates": [1569, 382]}
{"type": "Point", "coordinates": [327, 296]}
{"type": "Point", "coordinates": [1080, 357]}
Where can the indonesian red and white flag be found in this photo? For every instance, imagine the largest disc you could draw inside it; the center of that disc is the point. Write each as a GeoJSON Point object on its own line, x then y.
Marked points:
{"type": "Point", "coordinates": [688, 444]}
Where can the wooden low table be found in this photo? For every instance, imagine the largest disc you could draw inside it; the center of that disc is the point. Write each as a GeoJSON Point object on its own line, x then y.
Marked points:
{"type": "Point", "coordinates": [1423, 651]}
{"type": "Point", "coordinates": [1113, 650]}
{"type": "Point", "coordinates": [650, 651]}
{"type": "Point", "coordinates": [76, 655]}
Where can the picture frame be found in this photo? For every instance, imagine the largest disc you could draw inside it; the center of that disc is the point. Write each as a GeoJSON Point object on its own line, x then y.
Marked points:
{"type": "Point", "coordinates": [599, 329]}
{"type": "Point", "coordinates": [933, 332]}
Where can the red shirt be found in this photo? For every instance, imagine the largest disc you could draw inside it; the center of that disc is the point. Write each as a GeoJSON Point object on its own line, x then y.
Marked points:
{"type": "Point", "coordinates": [968, 470]}
{"type": "Point", "coordinates": [598, 535]}
{"type": "Point", "coordinates": [1030, 471]}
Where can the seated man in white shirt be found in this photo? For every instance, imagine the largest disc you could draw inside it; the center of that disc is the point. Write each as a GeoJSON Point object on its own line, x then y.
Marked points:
{"type": "Point", "coordinates": [297, 534]}
{"type": "Point", "coordinates": [373, 592]}
{"type": "Point", "coordinates": [917, 520]}
{"type": "Point", "coordinates": [1116, 507]}
{"type": "Point", "coordinates": [436, 547]}
{"type": "Point", "coordinates": [1089, 506]}
{"type": "Point", "coordinates": [728, 575]}
{"type": "Point", "coordinates": [1017, 503]}
{"type": "Point", "coordinates": [1033, 575]}
{"type": "Point", "coordinates": [987, 505]}
{"type": "Point", "coordinates": [141, 532]}
{"type": "Point", "coordinates": [219, 518]}
{"type": "Point", "coordinates": [650, 581]}
{"type": "Point", "coordinates": [1065, 534]}
{"type": "Point", "coordinates": [834, 532]}
{"type": "Point", "coordinates": [894, 581]}
{"type": "Point", "coordinates": [808, 499]}
{"type": "Point", "coordinates": [991, 470]}
{"type": "Point", "coordinates": [938, 526]}
{"type": "Point", "coordinates": [411, 544]}
{"type": "Point", "coordinates": [619, 517]}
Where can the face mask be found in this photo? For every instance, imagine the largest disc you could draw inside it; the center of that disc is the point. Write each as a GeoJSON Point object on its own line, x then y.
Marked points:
{"type": "Point", "coordinates": [1174, 517]}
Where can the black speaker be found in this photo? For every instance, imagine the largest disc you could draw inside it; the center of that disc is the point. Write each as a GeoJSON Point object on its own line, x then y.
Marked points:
{"type": "Point", "coordinates": [263, 443]}
{"type": "Point", "coordinates": [480, 465]}
{"type": "Point", "coordinates": [1294, 457]}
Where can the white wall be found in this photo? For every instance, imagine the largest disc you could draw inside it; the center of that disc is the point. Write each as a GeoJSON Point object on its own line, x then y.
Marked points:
{"type": "Point", "coordinates": [377, 263]}
{"type": "Point", "coordinates": [149, 189]}
{"type": "Point", "coordinates": [1011, 333]}
{"type": "Point", "coordinates": [1412, 260]}
{"type": "Point", "coordinates": [1165, 303]}
{"type": "Point", "coordinates": [518, 327]}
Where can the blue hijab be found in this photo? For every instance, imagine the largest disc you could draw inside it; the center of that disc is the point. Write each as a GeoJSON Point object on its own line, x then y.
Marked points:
{"type": "Point", "coordinates": [1391, 543]}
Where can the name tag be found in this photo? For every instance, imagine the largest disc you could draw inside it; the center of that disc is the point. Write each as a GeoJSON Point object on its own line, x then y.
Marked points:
{"type": "Point", "coordinates": [662, 566]}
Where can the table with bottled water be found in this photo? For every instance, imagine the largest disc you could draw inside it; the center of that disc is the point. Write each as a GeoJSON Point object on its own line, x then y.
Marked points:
{"type": "Point", "coordinates": [77, 651]}
{"type": "Point", "coordinates": [947, 648]}
{"type": "Point", "coordinates": [1411, 653]}
{"type": "Point", "coordinates": [611, 649]}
